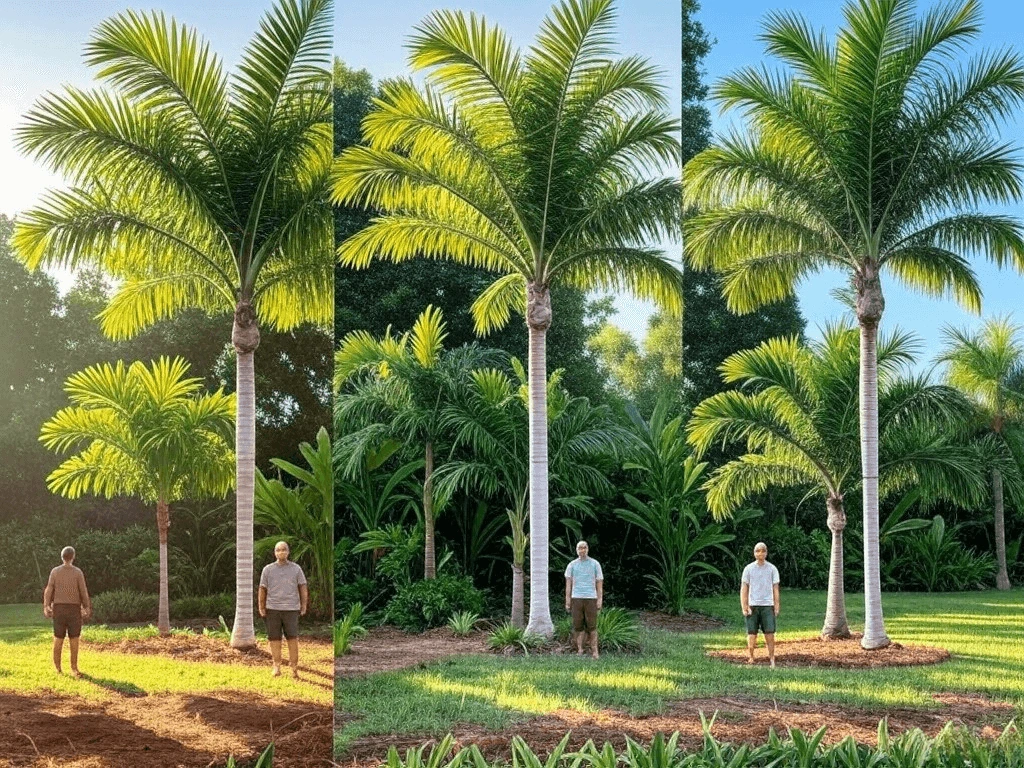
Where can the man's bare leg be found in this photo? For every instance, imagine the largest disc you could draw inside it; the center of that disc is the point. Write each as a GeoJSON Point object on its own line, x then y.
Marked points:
{"type": "Point", "coordinates": [73, 643]}
{"type": "Point", "coordinates": [769, 639]}
{"type": "Point", "coordinates": [293, 655]}
{"type": "Point", "coordinates": [275, 651]}
{"type": "Point", "coordinates": [593, 643]}
{"type": "Point", "coordinates": [58, 648]}
{"type": "Point", "coordinates": [751, 645]}
{"type": "Point", "coordinates": [579, 642]}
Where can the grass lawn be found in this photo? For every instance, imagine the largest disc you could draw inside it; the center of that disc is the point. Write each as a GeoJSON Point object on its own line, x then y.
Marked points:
{"type": "Point", "coordinates": [26, 667]}
{"type": "Point", "coordinates": [983, 631]}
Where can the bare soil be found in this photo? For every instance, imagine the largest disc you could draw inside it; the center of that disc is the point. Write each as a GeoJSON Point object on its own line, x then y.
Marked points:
{"type": "Point", "coordinates": [386, 648]}
{"type": "Point", "coordinates": [739, 720]}
{"type": "Point", "coordinates": [839, 654]}
{"type": "Point", "coordinates": [215, 649]}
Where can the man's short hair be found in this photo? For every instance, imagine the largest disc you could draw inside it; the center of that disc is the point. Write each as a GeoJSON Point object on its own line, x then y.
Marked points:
{"type": "Point", "coordinates": [68, 553]}
{"type": "Point", "coordinates": [760, 545]}
{"type": "Point", "coordinates": [582, 544]}
{"type": "Point", "coordinates": [282, 541]}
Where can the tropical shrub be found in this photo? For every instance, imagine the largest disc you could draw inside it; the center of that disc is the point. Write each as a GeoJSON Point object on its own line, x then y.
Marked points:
{"type": "Point", "coordinates": [348, 628]}
{"type": "Point", "coordinates": [203, 606]}
{"type": "Point", "coordinates": [510, 637]}
{"type": "Point", "coordinates": [463, 623]}
{"type": "Point", "coordinates": [428, 603]}
{"type": "Point", "coordinates": [123, 606]}
{"type": "Point", "coordinates": [934, 560]}
{"type": "Point", "coordinates": [126, 558]}
{"type": "Point", "coordinates": [617, 629]}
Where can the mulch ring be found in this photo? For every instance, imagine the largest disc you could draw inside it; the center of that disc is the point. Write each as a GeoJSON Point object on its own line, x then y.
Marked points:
{"type": "Point", "coordinates": [387, 648]}
{"type": "Point", "coordinates": [738, 720]}
{"type": "Point", "coordinates": [691, 622]}
{"type": "Point", "coordinates": [171, 730]}
{"type": "Point", "coordinates": [839, 654]}
{"type": "Point", "coordinates": [183, 647]}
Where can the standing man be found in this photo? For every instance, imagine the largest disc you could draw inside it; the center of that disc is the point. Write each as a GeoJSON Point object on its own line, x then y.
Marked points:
{"type": "Point", "coordinates": [759, 598]}
{"type": "Point", "coordinates": [284, 597]}
{"type": "Point", "coordinates": [584, 593]}
{"type": "Point", "coordinates": [66, 601]}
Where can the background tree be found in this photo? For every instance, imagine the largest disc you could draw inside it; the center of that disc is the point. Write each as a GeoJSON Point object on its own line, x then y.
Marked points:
{"type": "Point", "coordinates": [535, 166]}
{"type": "Point", "coordinates": [145, 432]}
{"type": "Point", "coordinates": [194, 190]}
{"type": "Point", "coordinates": [873, 153]}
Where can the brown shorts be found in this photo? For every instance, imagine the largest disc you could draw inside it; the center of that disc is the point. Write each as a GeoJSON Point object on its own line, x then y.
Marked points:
{"type": "Point", "coordinates": [584, 614]}
{"type": "Point", "coordinates": [67, 620]}
{"type": "Point", "coordinates": [282, 622]}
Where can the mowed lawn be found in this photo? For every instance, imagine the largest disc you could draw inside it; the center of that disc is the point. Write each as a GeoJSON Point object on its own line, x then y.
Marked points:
{"type": "Point", "coordinates": [26, 666]}
{"type": "Point", "coordinates": [983, 630]}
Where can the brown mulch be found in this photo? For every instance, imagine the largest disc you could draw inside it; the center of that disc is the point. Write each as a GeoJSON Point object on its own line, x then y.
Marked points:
{"type": "Point", "coordinates": [211, 649]}
{"type": "Point", "coordinates": [691, 622]}
{"type": "Point", "coordinates": [173, 730]}
{"type": "Point", "coordinates": [738, 720]}
{"type": "Point", "coordinates": [839, 654]}
{"type": "Point", "coordinates": [387, 648]}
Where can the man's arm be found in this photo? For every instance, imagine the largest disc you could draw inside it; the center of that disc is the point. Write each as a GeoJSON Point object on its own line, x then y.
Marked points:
{"type": "Point", "coordinates": [775, 597]}
{"type": "Point", "coordinates": [86, 601]}
{"type": "Point", "coordinates": [600, 593]}
{"type": "Point", "coordinates": [263, 600]}
{"type": "Point", "coordinates": [568, 592]}
{"type": "Point", "coordinates": [48, 597]}
{"type": "Point", "coordinates": [745, 598]}
{"type": "Point", "coordinates": [303, 599]}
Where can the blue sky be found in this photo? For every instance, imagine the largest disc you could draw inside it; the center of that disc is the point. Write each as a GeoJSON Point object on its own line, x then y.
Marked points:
{"type": "Point", "coordinates": [734, 27]}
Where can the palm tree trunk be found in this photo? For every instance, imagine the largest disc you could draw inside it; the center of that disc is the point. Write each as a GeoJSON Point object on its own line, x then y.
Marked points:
{"type": "Point", "coordinates": [1002, 577]}
{"type": "Point", "coordinates": [836, 625]}
{"type": "Point", "coordinates": [163, 522]}
{"type": "Point", "coordinates": [429, 564]}
{"type": "Point", "coordinates": [245, 336]}
{"type": "Point", "coordinates": [538, 320]}
{"type": "Point", "coordinates": [518, 609]}
{"type": "Point", "coordinates": [870, 305]}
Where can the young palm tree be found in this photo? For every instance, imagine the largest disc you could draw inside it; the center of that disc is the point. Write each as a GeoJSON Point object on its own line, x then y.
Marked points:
{"type": "Point", "coordinates": [988, 367]}
{"type": "Point", "coordinates": [195, 190]}
{"type": "Point", "coordinates": [411, 380]}
{"type": "Point", "coordinates": [145, 432]}
{"type": "Point", "coordinates": [798, 417]}
{"type": "Point", "coordinates": [871, 154]}
{"type": "Point", "coordinates": [534, 165]}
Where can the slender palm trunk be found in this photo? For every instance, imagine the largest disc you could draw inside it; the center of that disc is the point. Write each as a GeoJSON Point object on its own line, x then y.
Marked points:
{"type": "Point", "coordinates": [538, 320]}
{"type": "Point", "coordinates": [163, 522]}
{"type": "Point", "coordinates": [429, 560]}
{"type": "Point", "coordinates": [1003, 576]}
{"type": "Point", "coordinates": [836, 625]}
{"type": "Point", "coordinates": [518, 607]}
{"type": "Point", "coordinates": [870, 305]}
{"type": "Point", "coordinates": [246, 337]}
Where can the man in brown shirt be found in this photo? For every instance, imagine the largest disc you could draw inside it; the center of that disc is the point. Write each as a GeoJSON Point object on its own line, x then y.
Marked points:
{"type": "Point", "coordinates": [66, 601]}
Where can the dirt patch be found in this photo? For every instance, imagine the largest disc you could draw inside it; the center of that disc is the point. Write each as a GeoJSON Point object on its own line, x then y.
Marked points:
{"type": "Point", "coordinates": [387, 648]}
{"type": "Point", "coordinates": [210, 649]}
{"type": "Point", "coordinates": [691, 622]}
{"type": "Point", "coordinates": [739, 720]}
{"type": "Point", "coordinates": [840, 654]}
{"type": "Point", "coordinates": [173, 730]}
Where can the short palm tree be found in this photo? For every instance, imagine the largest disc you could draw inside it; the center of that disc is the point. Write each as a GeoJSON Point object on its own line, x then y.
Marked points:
{"type": "Point", "coordinates": [797, 413]}
{"type": "Point", "coordinates": [148, 432]}
{"type": "Point", "coordinates": [872, 154]}
{"type": "Point", "coordinates": [533, 165]}
{"type": "Point", "coordinates": [400, 387]}
{"type": "Point", "coordinates": [193, 189]}
{"type": "Point", "coordinates": [988, 367]}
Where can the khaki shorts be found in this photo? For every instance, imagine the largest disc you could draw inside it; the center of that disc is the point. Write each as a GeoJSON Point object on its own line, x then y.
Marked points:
{"type": "Point", "coordinates": [584, 614]}
{"type": "Point", "coordinates": [67, 620]}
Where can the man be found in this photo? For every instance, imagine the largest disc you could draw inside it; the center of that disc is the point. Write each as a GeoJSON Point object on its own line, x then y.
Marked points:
{"type": "Point", "coordinates": [284, 597]}
{"type": "Point", "coordinates": [66, 601]}
{"type": "Point", "coordinates": [759, 598]}
{"type": "Point", "coordinates": [584, 593]}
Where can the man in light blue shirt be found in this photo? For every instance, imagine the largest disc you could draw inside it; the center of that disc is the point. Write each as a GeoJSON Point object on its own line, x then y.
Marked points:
{"type": "Point", "coordinates": [584, 593]}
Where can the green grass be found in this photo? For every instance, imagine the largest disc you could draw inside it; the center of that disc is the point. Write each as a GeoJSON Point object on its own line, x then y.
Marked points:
{"type": "Point", "coordinates": [26, 665]}
{"type": "Point", "coordinates": [981, 629]}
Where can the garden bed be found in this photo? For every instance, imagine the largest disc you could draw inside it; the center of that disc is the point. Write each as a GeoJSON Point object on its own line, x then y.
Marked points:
{"type": "Point", "coordinates": [203, 648]}
{"type": "Point", "coordinates": [837, 654]}
{"type": "Point", "coordinates": [387, 648]}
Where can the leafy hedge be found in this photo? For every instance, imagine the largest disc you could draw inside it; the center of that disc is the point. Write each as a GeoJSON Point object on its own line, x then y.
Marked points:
{"type": "Point", "coordinates": [128, 606]}
{"type": "Point", "coordinates": [429, 603]}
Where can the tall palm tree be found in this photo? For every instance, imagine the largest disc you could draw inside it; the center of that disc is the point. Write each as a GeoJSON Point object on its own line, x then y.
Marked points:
{"type": "Point", "coordinates": [145, 432]}
{"type": "Point", "coordinates": [193, 189]}
{"type": "Point", "coordinates": [534, 165]}
{"type": "Point", "coordinates": [988, 366]}
{"type": "Point", "coordinates": [412, 378]}
{"type": "Point", "coordinates": [872, 154]}
{"type": "Point", "coordinates": [798, 418]}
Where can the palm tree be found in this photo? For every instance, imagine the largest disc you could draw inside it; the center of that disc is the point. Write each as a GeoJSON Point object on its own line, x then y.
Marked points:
{"type": "Point", "coordinates": [798, 418]}
{"type": "Point", "coordinates": [871, 154]}
{"type": "Point", "coordinates": [988, 367]}
{"type": "Point", "coordinates": [195, 190]}
{"type": "Point", "coordinates": [412, 378]}
{"type": "Point", "coordinates": [533, 165]}
{"type": "Point", "coordinates": [491, 453]}
{"type": "Point", "coordinates": [145, 432]}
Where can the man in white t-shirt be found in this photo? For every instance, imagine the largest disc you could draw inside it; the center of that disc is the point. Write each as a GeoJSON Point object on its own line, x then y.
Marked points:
{"type": "Point", "coordinates": [759, 598]}
{"type": "Point", "coordinates": [584, 593]}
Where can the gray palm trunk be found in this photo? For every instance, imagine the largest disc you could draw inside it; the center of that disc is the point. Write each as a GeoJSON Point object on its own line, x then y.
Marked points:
{"type": "Point", "coordinates": [870, 305]}
{"type": "Point", "coordinates": [538, 320]}
{"type": "Point", "coordinates": [1003, 576]}
{"type": "Point", "coordinates": [518, 606]}
{"type": "Point", "coordinates": [163, 522]}
{"type": "Point", "coordinates": [429, 559]}
{"type": "Point", "coordinates": [836, 625]}
{"type": "Point", "coordinates": [245, 336]}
